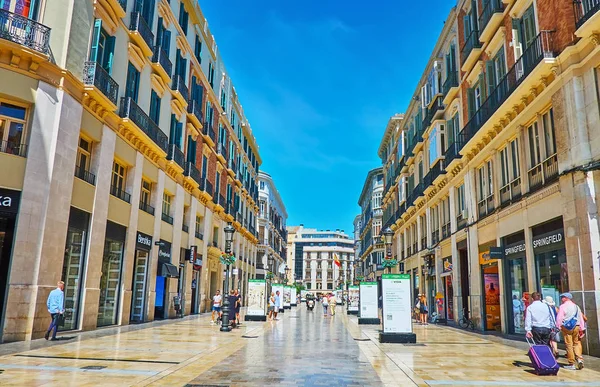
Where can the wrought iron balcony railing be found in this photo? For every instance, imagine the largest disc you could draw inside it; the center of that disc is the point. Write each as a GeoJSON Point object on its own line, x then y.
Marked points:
{"type": "Point", "coordinates": [26, 32]}
{"type": "Point", "coordinates": [510, 192]}
{"type": "Point", "coordinates": [95, 75]}
{"type": "Point", "coordinates": [492, 7]}
{"type": "Point", "coordinates": [179, 85]}
{"type": "Point", "coordinates": [434, 172]}
{"type": "Point", "coordinates": [199, 235]}
{"type": "Point", "coordinates": [120, 193]}
{"type": "Point", "coordinates": [166, 218]}
{"type": "Point", "coordinates": [147, 208]}
{"type": "Point", "coordinates": [195, 108]}
{"type": "Point", "coordinates": [85, 175]}
{"type": "Point", "coordinates": [471, 42]}
{"type": "Point", "coordinates": [436, 105]}
{"type": "Point", "coordinates": [139, 25]}
{"type": "Point", "coordinates": [450, 82]}
{"type": "Point", "coordinates": [584, 10]}
{"type": "Point", "coordinates": [209, 187]}
{"type": "Point", "coordinates": [129, 109]}
{"type": "Point", "coordinates": [175, 154]}
{"type": "Point", "coordinates": [543, 173]}
{"type": "Point", "coordinates": [13, 148]}
{"type": "Point", "coordinates": [193, 172]}
{"type": "Point", "coordinates": [160, 56]}
{"type": "Point", "coordinates": [185, 228]}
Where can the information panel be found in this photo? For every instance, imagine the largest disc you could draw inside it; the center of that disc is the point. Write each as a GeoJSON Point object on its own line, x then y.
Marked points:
{"type": "Point", "coordinates": [353, 297]}
{"type": "Point", "coordinates": [294, 296]}
{"type": "Point", "coordinates": [338, 297]}
{"type": "Point", "coordinates": [257, 297]}
{"type": "Point", "coordinates": [396, 303]}
{"type": "Point", "coordinates": [287, 296]}
{"type": "Point", "coordinates": [368, 300]}
{"type": "Point", "coordinates": [278, 288]}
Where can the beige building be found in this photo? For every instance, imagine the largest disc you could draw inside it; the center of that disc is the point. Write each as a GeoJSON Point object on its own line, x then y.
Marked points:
{"type": "Point", "coordinates": [125, 152]}
{"type": "Point", "coordinates": [492, 176]}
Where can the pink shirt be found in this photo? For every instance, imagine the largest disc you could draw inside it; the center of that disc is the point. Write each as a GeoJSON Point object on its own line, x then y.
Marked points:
{"type": "Point", "coordinates": [566, 312]}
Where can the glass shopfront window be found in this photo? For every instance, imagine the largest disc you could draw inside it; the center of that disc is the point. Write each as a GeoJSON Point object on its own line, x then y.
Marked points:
{"type": "Point", "coordinates": [516, 281]}
{"type": "Point", "coordinates": [552, 276]}
{"type": "Point", "coordinates": [110, 281]}
{"type": "Point", "coordinates": [73, 263]}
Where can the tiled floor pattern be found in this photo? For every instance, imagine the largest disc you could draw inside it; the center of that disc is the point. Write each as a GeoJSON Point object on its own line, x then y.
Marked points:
{"type": "Point", "coordinates": [301, 349]}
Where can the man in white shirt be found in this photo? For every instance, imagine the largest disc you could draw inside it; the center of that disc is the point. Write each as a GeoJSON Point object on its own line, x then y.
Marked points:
{"type": "Point", "coordinates": [216, 305]}
{"type": "Point", "coordinates": [539, 320]}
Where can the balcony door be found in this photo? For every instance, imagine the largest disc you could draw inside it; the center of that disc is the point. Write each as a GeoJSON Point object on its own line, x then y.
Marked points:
{"type": "Point", "coordinates": [28, 9]}
{"type": "Point", "coordinates": [102, 47]}
{"type": "Point", "coordinates": [525, 33]}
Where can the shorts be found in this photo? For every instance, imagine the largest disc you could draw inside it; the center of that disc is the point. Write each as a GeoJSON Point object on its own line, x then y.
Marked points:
{"type": "Point", "coordinates": [216, 308]}
{"type": "Point", "coordinates": [271, 308]}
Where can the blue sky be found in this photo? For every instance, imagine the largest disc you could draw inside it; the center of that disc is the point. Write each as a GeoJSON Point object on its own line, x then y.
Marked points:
{"type": "Point", "coordinates": [318, 81]}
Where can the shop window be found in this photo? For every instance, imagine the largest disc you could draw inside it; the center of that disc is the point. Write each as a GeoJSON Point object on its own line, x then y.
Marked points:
{"type": "Point", "coordinates": [12, 129]}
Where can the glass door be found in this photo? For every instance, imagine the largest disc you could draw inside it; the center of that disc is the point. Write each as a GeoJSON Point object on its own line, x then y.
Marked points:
{"type": "Point", "coordinates": [109, 282]}
{"type": "Point", "coordinates": [519, 297]}
{"type": "Point", "coordinates": [139, 286]}
{"type": "Point", "coordinates": [71, 275]}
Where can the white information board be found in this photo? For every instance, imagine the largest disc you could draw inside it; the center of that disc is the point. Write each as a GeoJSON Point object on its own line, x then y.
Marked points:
{"type": "Point", "coordinates": [338, 297]}
{"type": "Point", "coordinates": [278, 288]}
{"type": "Point", "coordinates": [287, 296]}
{"type": "Point", "coordinates": [294, 296]}
{"type": "Point", "coordinates": [368, 300]}
{"type": "Point", "coordinates": [353, 296]}
{"type": "Point", "coordinates": [257, 297]}
{"type": "Point", "coordinates": [396, 303]}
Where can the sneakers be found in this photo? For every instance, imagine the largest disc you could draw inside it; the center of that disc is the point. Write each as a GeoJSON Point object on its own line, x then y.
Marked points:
{"type": "Point", "coordinates": [47, 335]}
{"type": "Point", "coordinates": [570, 367]}
{"type": "Point", "coordinates": [579, 364]}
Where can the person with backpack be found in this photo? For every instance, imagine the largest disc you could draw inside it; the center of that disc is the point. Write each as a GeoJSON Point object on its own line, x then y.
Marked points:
{"type": "Point", "coordinates": [572, 325]}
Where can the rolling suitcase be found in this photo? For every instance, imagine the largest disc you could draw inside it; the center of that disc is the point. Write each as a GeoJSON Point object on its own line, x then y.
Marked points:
{"type": "Point", "coordinates": [542, 359]}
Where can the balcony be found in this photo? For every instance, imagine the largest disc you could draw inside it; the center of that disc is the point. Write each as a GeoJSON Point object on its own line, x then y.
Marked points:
{"type": "Point", "coordinates": [131, 111]}
{"type": "Point", "coordinates": [423, 243]}
{"type": "Point", "coordinates": [543, 173]}
{"type": "Point", "coordinates": [193, 172]}
{"type": "Point", "coordinates": [140, 33]}
{"type": "Point", "coordinates": [209, 134]}
{"type": "Point", "coordinates": [100, 85]}
{"type": "Point", "coordinates": [486, 206]}
{"type": "Point", "coordinates": [510, 192]}
{"type": "Point", "coordinates": [176, 155]}
{"type": "Point", "coordinates": [221, 152]}
{"type": "Point", "coordinates": [450, 87]}
{"type": "Point", "coordinates": [13, 148]}
{"type": "Point", "coordinates": [161, 63]}
{"type": "Point", "coordinates": [445, 230]}
{"type": "Point", "coordinates": [434, 173]}
{"type": "Point", "coordinates": [25, 32]}
{"type": "Point", "coordinates": [584, 10]}
{"type": "Point", "coordinates": [166, 218]}
{"type": "Point", "coordinates": [147, 208]}
{"type": "Point", "coordinates": [180, 90]}
{"type": "Point", "coordinates": [199, 235]}
{"type": "Point", "coordinates": [222, 201]}
{"type": "Point", "coordinates": [185, 228]}
{"type": "Point", "coordinates": [435, 237]}
{"type": "Point", "coordinates": [490, 19]}
{"type": "Point", "coordinates": [436, 106]}
{"type": "Point", "coordinates": [470, 51]}
{"type": "Point", "coordinates": [461, 222]}
{"type": "Point", "coordinates": [84, 175]}
{"type": "Point", "coordinates": [194, 110]}
{"type": "Point", "coordinates": [209, 187]}
{"type": "Point", "coordinates": [540, 49]}
{"type": "Point", "coordinates": [120, 193]}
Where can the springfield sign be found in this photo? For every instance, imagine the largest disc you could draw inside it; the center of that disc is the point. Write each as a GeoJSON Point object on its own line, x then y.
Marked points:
{"type": "Point", "coordinates": [396, 303]}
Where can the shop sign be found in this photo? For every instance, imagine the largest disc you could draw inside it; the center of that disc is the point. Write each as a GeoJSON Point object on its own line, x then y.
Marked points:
{"type": "Point", "coordinates": [9, 200]}
{"type": "Point", "coordinates": [548, 239]}
{"type": "Point", "coordinates": [514, 249]}
{"type": "Point", "coordinates": [447, 265]}
{"type": "Point", "coordinates": [486, 259]}
{"type": "Point", "coordinates": [496, 252]}
{"type": "Point", "coordinates": [143, 241]}
{"type": "Point", "coordinates": [192, 254]}
{"type": "Point", "coordinates": [164, 251]}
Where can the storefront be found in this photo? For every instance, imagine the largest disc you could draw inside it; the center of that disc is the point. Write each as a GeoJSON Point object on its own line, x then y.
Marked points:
{"type": "Point", "coordinates": [491, 286]}
{"type": "Point", "coordinates": [196, 275]}
{"type": "Point", "coordinates": [143, 245]}
{"type": "Point", "coordinates": [515, 281]}
{"type": "Point", "coordinates": [9, 207]}
{"type": "Point", "coordinates": [73, 265]}
{"type": "Point", "coordinates": [550, 259]}
{"type": "Point", "coordinates": [430, 287]}
{"type": "Point", "coordinates": [448, 291]}
{"type": "Point", "coordinates": [110, 281]}
{"type": "Point", "coordinates": [166, 270]}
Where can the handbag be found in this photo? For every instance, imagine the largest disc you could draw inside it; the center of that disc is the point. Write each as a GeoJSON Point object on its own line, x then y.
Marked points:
{"type": "Point", "coordinates": [572, 322]}
{"type": "Point", "coordinates": [60, 320]}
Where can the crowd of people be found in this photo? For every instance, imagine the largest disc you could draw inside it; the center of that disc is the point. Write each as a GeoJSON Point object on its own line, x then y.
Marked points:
{"type": "Point", "coordinates": [235, 304]}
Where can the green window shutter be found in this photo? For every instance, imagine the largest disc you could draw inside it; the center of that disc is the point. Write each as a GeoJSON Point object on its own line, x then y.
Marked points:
{"type": "Point", "coordinates": [453, 57]}
{"type": "Point", "coordinates": [466, 26]}
{"type": "Point", "coordinates": [172, 129]}
{"type": "Point", "coordinates": [450, 131]}
{"type": "Point", "coordinates": [491, 76]}
{"type": "Point", "coordinates": [109, 53]}
{"type": "Point", "coordinates": [166, 42]}
{"type": "Point", "coordinates": [95, 40]}
{"type": "Point", "coordinates": [482, 88]}
{"type": "Point", "coordinates": [160, 30]}
{"type": "Point", "coordinates": [471, 102]}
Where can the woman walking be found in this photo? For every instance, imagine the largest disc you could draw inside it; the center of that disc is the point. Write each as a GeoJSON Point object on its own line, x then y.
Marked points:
{"type": "Point", "coordinates": [271, 305]}
{"type": "Point", "coordinates": [325, 303]}
{"type": "Point", "coordinates": [423, 309]}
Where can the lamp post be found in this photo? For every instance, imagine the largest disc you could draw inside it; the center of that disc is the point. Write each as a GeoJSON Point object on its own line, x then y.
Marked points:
{"type": "Point", "coordinates": [287, 270]}
{"type": "Point", "coordinates": [388, 236]}
{"type": "Point", "coordinates": [225, 327]}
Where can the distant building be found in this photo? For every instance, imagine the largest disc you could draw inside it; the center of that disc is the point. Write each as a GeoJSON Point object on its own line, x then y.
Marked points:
{"type": "Point", "coordinates": [371, 247]}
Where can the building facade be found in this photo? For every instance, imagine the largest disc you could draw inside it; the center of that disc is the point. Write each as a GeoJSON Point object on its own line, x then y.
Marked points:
{"type": "Point", "coordinates": [272, 234]}
{"type": "Point", "coordinates": [125, 152]}
{"type": "Point", "coordinates": [315, 252]}
{"type": "Point", "coordinates": [372, 248]}
{"type": "Point", "coordinates": [493, 173]}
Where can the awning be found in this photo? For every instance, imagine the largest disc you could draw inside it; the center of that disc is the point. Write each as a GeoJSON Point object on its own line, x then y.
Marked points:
{"type": "Point", "coordinates": [168, 270]}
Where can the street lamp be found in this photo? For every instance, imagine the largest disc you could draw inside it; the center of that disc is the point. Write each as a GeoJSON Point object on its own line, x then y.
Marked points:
{"type": "Point", "coordinates": [287, 270]}
{"type": "Point", "coordinates": [388, 237]}
{"type": "Point", "coordinates": [229, 231]}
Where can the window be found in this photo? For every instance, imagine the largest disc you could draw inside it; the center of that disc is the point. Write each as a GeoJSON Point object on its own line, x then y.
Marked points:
{"type": "Point", "coordinates": [154, 107]}
{"type": "Point", "coordinates": [535, 156]}
{"type": "Point", "coordinates": [102, 47]}
{"type": "Point", "coordinates": [183, 18]}
{"type": "Point", "coordinates": [146, 9]}
{"type": "Point", "coordinates": [199, 225]}
{"type": "Point", "coordinates": [146, 192]}
{"type": "Point", "coordinates": [204, 167]}
{"type": "Point", "coordinates": [84, 154]}
{"type": "Point", "coordinates": [460, 199]}
{"type": "Point", "coordinates": [549, 141]}
{"type": "Point", "coordinates": [118, 177]}
{"type": "Point", "coordinates": [166, 205]}
{"type": "Point", "coordinates": [198, 49]}
{"type": "Point", "coordinates": [211, 75]}
{"type": "Point", "coordinates": [176, 132]}
{"type": "Point", "coordinates": [217, 184]}
{"type": "Point", "coordinates": [12, 128]}
{"type": "Point", "coordinates": [133, 82]}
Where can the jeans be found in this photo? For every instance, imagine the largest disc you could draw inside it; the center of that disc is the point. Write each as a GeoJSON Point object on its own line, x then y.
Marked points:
{"type": "Point", "coordinates": [541, 335]}
{"type": "Point", "coordinates": [573, 344]}
{"type": "Point", "coordinates": [54, 324]}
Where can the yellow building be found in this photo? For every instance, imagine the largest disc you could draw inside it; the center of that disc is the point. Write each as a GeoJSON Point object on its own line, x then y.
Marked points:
{"type": "Point", "coordinates": [125, 152]}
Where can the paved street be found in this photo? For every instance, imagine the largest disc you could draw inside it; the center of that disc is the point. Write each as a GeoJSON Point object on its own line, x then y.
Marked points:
{"type": "Point", "coordinates": [301, 349]}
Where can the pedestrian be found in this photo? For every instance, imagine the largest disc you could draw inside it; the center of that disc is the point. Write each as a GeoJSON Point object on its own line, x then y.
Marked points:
{"type": "Point", "coordinates": [271, 305]}
{"type": "Point", "coordinates": [539, 321]}
{"type": "Point", "coordinates": [238, 306]}
{"type": "Point", "coordinates": [572, 325]}
{"type": "Point", "coordinates": [423, 309]}
{"type": "Point", "coordinates": [56, 307]}
{"type": "Point", "coordinates": [517, 311]}
{"type": "Point", "coordinates": [555, 335]}
{"type": "Point", "coordinates": [216, 308]}
{"type": "Point", "coordinates": [417, 309]}
{"type": "Point", "coordinates": [277, 305]}
{"type": "Point", "coordinates": [232, 299]}
{"type": "Point", "coordinates": [332, 303]}
{"type": "Point", "coordinates": [325, 303]}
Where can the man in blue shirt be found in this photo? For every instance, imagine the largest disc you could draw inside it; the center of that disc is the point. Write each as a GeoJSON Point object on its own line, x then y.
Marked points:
{"type": "Point", "coordinates": [56, 307]}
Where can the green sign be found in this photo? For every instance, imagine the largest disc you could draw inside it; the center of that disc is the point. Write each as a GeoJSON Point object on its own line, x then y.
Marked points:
{"type": "Point", "coordinates": [255, 280]}
{"type": "Point", "coordinates": [353, 287]}
{"type": "Point", "coordinates": [368, 283]}
{"type": "Point", "coordinates": [395, 276]}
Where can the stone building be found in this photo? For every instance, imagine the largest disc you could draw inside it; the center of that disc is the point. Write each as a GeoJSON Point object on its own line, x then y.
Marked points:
{"type": "Point", "coordinates": [125, 152]}
{"type": "Point", "coordinates": [371, 251]}
{"type": "Point", "coordinates": [492, 177]}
